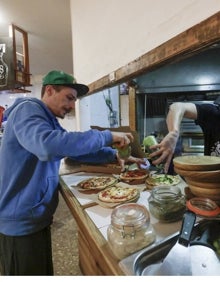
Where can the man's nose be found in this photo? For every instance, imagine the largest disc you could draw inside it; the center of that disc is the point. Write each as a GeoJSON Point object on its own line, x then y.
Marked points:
{"type": "Point", "coordinates": [72, 105]}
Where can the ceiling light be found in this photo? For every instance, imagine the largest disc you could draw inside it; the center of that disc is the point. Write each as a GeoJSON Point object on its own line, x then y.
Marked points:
{"type": "Point", "coordinates": [10, 30]}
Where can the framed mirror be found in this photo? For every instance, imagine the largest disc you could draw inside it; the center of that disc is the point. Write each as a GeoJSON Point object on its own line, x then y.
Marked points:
{"type": "Point", "coordinates": [21, 56]}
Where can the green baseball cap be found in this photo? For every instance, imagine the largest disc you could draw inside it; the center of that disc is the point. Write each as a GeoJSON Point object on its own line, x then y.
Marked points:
{"type": "Point", "coordinates": [61, 78]}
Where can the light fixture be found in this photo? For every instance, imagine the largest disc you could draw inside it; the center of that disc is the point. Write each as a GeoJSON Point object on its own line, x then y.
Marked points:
{"type": "Point", "coordinates": [10, 31]}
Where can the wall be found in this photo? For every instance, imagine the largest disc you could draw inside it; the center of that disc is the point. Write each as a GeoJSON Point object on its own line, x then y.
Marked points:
{"type": "Point", "coordinates": [110, 34]}
{"type": "Point", "coordinates": [92, 110]}
{"type": "Point", "coordinates": [107, 35]}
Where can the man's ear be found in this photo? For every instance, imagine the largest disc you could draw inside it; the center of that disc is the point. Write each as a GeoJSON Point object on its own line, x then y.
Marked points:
{"type": "Point", "coordinates": [49, 90]}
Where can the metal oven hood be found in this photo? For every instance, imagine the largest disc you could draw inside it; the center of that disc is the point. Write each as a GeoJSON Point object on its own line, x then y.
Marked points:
{"type": "Point", "coordinates": [197, 73]}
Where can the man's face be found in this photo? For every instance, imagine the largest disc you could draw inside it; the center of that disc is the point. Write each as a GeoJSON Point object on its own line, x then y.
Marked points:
{"type": "Point", "coordinates": [62, 102]}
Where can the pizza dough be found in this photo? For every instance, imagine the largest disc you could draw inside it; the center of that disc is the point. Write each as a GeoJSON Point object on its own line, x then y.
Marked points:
{"type": "Point", "coordinates": [117, 194]}
{"type": "Point", "coordinates": [162, 179]}
{"type": "Point", "coordinates": [136, 174]}
{"type": "Point", "coordinates": [101, 182]}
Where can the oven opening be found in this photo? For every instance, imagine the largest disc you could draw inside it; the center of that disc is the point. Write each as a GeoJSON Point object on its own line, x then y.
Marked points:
{"type": "Point", "coordinates": [192, 138]}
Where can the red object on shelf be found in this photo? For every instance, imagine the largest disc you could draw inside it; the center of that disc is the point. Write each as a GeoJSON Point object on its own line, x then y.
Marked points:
{"type": "Point", "coordinates": [1, 114]}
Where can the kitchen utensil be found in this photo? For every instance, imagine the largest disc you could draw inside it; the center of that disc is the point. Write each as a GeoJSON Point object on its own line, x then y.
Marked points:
{"type": "Point", "coordinates": [177, 262]}
{"type": "Point", "coordinates": [204, 260]}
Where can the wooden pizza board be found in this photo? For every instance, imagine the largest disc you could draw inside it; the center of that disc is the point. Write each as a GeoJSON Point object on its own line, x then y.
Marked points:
{"type": "Point", "coordinates": [197, 163]}
{"type": "Point", "coordinates": [208, 176]}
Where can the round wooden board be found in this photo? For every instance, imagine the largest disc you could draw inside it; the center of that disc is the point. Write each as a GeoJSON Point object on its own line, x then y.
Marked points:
{"type": "Point", "coordinates": [204, 184]}
{"type": "Point", "coordinates": [207, 176]}
{"type": "Point", "coordinates": [200, 163]}
{"type": "Point", "coordinates": [213, 194]}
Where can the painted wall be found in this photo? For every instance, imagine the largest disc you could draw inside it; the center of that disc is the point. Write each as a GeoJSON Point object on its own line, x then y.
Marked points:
{"type": "Point", "coordinates": [94, 111]}
{"type": "Point", "coordinates": [108, 34]}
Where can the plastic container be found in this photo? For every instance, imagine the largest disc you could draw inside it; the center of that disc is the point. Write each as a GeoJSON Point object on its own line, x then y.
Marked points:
{"type": "Point", "coordinates": [124, 153]}
{"type": "Point", "coordinates": [148, 142]}
{"type": "Point", "coordinates": [167, 203]}
{"type": "Point", "coordinates": [130, 229]}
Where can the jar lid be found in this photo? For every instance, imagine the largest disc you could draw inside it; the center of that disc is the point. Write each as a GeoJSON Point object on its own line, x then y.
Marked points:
{"type": "Point", "coordinates": [203, 206]}
{"type": "Point", "coordinates": [130, 214]}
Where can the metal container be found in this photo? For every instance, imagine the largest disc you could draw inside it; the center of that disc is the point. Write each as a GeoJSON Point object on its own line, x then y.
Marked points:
{"type": "Point", "coordinates": [167, 203]}
{"type": "Point", "coordinates": [130, 229]}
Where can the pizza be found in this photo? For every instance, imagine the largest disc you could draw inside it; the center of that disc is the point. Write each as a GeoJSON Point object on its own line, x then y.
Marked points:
{"type": "Point", "coordinates": [135, 174]}
{"type": "Point", "coordinates": [162, 179]}
{"type": "Point", "coordinates": [117, 194]}
{"type": "Point", "coordinates": [101, 182]}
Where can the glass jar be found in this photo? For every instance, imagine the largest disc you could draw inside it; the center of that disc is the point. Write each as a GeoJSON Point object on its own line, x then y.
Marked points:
{"type": "Point", "coordinates": [130, 229]}
{"type": "Point", "coordinates": [167, 203]}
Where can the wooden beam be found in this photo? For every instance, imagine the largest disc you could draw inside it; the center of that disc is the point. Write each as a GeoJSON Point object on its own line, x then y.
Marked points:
{"type": "Point", "coordinates": [185, 44]}
{"type": "Point", "coordinates": [132, 108]}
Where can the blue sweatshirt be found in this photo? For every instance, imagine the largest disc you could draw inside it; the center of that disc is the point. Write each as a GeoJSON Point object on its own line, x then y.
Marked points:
{"type": "Point", "coordinates": [32, 146]}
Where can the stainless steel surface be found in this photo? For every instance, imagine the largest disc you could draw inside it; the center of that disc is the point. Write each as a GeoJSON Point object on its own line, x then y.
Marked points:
{"type": "Point", "coordinates": [177, 262]}
{"type": "Point", "coordinates": [204, 261]}
{"type": "Point", "coordinates": [137, 262]}
{"type": "Point", "coordinates": [184, 76]}
{"type": "Point", "coordinates": [179, 253]}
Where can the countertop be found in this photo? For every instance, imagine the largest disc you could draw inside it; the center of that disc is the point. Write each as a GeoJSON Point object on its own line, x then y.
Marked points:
{"type": "Point", "coordinates": [86, 208]}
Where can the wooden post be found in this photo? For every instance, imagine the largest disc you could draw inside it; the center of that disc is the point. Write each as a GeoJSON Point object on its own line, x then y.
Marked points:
{"type": "Point", "coordinates": [132, 108]}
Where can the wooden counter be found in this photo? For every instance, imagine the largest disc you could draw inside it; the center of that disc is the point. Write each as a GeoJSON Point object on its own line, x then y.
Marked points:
{"type": "Point", "coordinates": [95, 256]}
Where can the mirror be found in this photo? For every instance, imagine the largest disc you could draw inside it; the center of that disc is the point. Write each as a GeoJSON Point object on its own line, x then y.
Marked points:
{"type": "Point", "coordinates": [21, 56]}
{"type": "Point", "coordinates": [14, 61]}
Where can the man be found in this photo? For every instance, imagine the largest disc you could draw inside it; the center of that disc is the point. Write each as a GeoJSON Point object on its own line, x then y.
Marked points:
{"type": "Point", "coordinates": [206, 115]}
{"type": "Point", "coordinates": [32, 147]}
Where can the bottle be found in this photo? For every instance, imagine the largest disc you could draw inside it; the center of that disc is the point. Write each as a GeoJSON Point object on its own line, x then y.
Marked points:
{"type": "Point", "coordinates": [3, 70]}
{"type": "Point", "coordinates": [130, 229]}
{"type": "Point", "coordinates": [167, 203]}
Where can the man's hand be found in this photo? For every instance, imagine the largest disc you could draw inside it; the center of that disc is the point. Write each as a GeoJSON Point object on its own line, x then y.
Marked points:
{"type": "Point", "coordinates": [122, 139]}
{"type": "Point", "coordinates": [131, 159]}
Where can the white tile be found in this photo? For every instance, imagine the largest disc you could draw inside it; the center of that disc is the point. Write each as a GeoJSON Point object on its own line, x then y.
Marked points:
{"type": "Point", "coordinates": [99, 215]}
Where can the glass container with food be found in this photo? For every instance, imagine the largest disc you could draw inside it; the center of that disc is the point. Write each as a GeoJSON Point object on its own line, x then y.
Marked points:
{"type": "Point", "coordinates": [167, 203]}
{"type": "Point", "coordinates": [130, 229]}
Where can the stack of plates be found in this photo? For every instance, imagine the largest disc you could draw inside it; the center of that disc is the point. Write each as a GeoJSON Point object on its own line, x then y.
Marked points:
{"type": "Point", "coordinates": [201, 173]}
